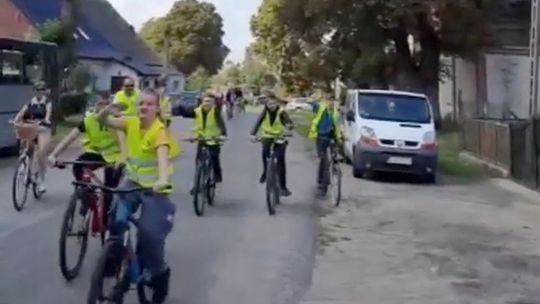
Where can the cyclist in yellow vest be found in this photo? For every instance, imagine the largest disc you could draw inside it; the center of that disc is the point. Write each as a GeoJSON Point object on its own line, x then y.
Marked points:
{"type": "Point", "coordinates": [128, 97]}
{"type": "Point", "coordinates": [100, 144]}
{"type": "Point", "coordinates": [209, 125]}
{"type": "Point", "coordinates": [273, 121]}
{"type": "Point", "coordinates": [325, 127]}
{"type": "Point", "coordinates": [150, 151]}
{"type": "Point", "coordinates": [164, 102]}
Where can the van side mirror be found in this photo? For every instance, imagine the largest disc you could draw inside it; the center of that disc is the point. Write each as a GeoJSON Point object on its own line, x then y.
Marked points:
{"type": "Point", "coordinates": [350, 116]}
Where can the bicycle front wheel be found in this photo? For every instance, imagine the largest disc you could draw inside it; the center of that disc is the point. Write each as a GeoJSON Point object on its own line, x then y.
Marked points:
{"type": "Point", "coordinates": [72, 228]}
{"type": "Point", "coordinates": [21, 181]}
{"type": "Point", "coordinates": [199, 191]}
{"type": "Point", "coordinates": [335, 182]}
{"type": "Point", "coordinates": [104, 271]}
{"type": "Point", "coordinates": [210, 186]}
{"type": "Point", "coordinates": [272, 188]}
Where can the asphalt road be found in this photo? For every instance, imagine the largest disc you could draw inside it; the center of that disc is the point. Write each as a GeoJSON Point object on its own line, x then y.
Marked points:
{"type": "Point", "coordinates": [235, 254]}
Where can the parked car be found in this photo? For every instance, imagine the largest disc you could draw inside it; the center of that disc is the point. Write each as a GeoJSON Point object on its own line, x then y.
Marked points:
{"type": "Point", "coordinates": [390, 131]}
{"type": "Point", "coordinates": [187, 99]}
{"type": "Point", "coordinates": [300, 103]}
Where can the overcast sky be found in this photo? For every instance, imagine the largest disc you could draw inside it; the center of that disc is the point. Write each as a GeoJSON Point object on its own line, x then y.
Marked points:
{"type": "Point", "coordinates": [236, 15]}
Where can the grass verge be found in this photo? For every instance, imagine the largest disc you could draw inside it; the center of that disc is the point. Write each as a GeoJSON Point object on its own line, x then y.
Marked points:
{"type": "Point", "coordinates": [449, 161]}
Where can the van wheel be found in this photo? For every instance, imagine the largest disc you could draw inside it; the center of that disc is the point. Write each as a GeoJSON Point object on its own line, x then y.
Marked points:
{"type": "Point", "coordinates": [358, 171]}
{"type": "Point", "coordinates": [430, 179]}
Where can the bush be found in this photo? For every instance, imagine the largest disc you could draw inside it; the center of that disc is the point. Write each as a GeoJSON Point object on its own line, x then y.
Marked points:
{"type": "Point", "coordinates": [72, 104]}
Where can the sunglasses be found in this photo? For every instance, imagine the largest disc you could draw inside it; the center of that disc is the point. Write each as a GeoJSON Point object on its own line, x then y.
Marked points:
{"type": "Point", "coordinates": [129, 86]}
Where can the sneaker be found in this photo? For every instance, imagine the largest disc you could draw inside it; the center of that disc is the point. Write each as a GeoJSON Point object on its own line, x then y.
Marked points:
{"type": "Point", "coordinates": [160, 285]}
{"type": "Point", "coordinates": [285, 192]}
{"type": "Point", "coordinates": [262, 180]}
{"type": "Point", "coordinates": [218, 179]}
{"type": "Point", "coordinates": [41, 187]}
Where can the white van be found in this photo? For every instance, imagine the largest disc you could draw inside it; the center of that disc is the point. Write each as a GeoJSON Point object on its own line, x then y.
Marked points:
{"type": "Point", "coordinates": [390, 131]}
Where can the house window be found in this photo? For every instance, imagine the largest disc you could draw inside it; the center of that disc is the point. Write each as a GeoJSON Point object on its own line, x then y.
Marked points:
{"type": "Point", "coordinates": [11, 67]}
{"type": "Point", "coordinates": [83, 33]}
{"type": "Point", "coordinates": [176, 85]}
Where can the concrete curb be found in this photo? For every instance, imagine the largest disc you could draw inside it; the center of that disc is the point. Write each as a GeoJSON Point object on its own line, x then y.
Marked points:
{"type": "Point", "coordinates": [467, 156]}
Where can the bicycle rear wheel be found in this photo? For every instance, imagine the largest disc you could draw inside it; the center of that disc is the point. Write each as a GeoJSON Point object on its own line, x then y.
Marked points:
{"type": "Point", "coordinates": [272, 189]}
{"type": "Point", "coordinates": [335, 183]}
{"type": "Point", "coordinates": [199, 191]}
{"type": "Point", "coordinates": [37, 194]}
{"type": "Point", "coordinates": [20, 183]}
{"type": "Point", "coordinates": [81, 234]}
{"type": "Point", "coordinates": [101, 274]}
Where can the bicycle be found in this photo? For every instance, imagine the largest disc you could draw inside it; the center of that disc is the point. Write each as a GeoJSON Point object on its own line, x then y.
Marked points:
{"type": "Point", "coordinates": [334, 173]}
{"type": "Point", "coordinates": [204, 187]}
{"type": "Point", "coordinates": [90, 206]}
{"type": "Point", "coordinates": [273, 189]}
{"type": "Point", "coordinates": [117, 248]}
{"type": "Point", "coordinates": [25, 175]}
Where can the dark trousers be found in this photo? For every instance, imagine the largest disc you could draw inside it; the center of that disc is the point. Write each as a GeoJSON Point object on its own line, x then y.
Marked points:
{"type": "Point", "coordinates": [323, 144]}
{"type": "Point", "coordinates": [215, 151]}
{"type": "Point", "coordinates": [112, 175]}
{"type": "Point", "coordinates": [280, 153]}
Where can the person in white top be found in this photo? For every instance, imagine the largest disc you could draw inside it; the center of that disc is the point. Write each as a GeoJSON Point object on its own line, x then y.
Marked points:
{"type": "Point", "coordinates": [39, 110]}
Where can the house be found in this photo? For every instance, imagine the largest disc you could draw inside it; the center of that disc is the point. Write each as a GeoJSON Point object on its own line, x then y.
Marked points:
{"type": "Point", "coordinates": [495, 84]}
{"type": "Point", "coordinates": [104, 41]}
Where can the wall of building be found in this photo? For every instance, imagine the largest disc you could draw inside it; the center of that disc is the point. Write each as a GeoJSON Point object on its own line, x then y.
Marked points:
{"type": "Point", "coordinates": [458, 90]}
{"type": "Point", "coordinates": [508, 81]}
{"type": "Point", "coordinates": [13, 24]}
{"type": "Point", "coordinates": [105, 70]}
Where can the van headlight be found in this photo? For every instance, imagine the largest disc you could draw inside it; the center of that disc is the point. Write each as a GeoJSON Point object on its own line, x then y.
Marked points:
{"type": "Point", "coordinates": [368, 136]}
{"type": "Point", "coordinates": [429, 141]}
{"type": "Point", "coordinates": [367, 132]}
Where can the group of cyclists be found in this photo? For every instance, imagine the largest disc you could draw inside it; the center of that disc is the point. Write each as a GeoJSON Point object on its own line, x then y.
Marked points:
{"type": "Point", "coordinates": [131, 137]}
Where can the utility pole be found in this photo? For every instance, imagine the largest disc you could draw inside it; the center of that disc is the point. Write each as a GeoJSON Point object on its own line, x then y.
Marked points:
{"type": "Point", "coordinates": [533, 54]}
{"type": "Point", "coordinates": [167, 49]}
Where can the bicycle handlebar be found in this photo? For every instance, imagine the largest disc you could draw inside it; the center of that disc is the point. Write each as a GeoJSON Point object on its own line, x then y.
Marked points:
{"type": "Point", "coordinates": [64, 164]}
{"type": "Point", "coordinates": [114, 190]}
{"type": "Point", "coordinates": [193, 139]}
{"type": "Point", "coordinates": [282, 137]}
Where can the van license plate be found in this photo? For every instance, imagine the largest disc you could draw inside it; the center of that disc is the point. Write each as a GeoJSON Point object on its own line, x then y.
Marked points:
{"type": "Point", "coordinates": [399, 160]}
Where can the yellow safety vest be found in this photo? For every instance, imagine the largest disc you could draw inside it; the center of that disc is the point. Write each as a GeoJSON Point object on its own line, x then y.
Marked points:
{"type": "Point", "coordinates": [100, 139]}
{"type": "Point", "coordinates": [208, 130]}
{"type": "Point", "coordinates": [273, 130]}
{"type": "Point", "coordinates": [142, 164]}
{"type": "Point", "coordinates": [165, 108]}
{"type": "Point", "coordinates": [314, 129]}
{"type": "Point", "coordinates": [130, 102]}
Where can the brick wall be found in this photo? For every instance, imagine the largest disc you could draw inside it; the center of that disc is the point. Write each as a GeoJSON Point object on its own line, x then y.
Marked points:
{"type": "Point", "coordinates": [13, 23]}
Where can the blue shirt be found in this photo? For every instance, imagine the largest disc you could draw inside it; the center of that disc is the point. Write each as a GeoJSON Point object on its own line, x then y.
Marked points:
{"type": "Point", "coordinates": [326, 126]}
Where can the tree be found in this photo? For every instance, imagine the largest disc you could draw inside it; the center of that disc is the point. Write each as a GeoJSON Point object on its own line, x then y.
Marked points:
{"type": "Point", "coordinates": [190, 34]}
{"type": "Point", "coordinates": [199, 80]}
{"type": "Point", "coordinates": [384, 42]}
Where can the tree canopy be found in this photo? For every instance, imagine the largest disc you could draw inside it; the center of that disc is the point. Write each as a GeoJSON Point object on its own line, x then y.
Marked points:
{"type": "Point", "coordinates": [192, 32]}
{"type": "Point", "coordinates": [369, 42]}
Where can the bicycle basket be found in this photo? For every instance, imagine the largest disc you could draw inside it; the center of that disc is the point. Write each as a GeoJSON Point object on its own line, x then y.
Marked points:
{"type": "Point", "coordinates": [26, 132]}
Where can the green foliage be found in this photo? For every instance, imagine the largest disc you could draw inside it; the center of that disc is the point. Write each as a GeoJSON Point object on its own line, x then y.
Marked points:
{"type": "Point", "coordinates": [80, 78]}
{"type": "Point", "coordinates": [367, 41]}
{"type": "Point", "coordinates": [199, 80]}
{"type": "Point", "coordinates": [192, 33]}
{"type": "Point", "coordinates": [73, 104]}
{"type": "Point", "coordinates": [55, 31]}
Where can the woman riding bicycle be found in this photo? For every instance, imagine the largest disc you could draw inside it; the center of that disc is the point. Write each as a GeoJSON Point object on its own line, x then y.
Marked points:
{"type": "Point", "coordinates": [274, 122]}
{"type": "Point", "coordinates": [100, 145]}
{"type": "Point", "coordinates": [39, 110]}
{"type": "Point", "coordinates": [149, 150]}
{"type": "Point", "coordinates": [209, 125]}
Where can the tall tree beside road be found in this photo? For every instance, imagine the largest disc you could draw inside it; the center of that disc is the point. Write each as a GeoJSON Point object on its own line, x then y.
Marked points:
{"type": "Point", "coordinates": [199, 80]}
{"type": "Point", "coordinates": [194, 31]}
{"type": "Point", "coordinates": [385, 42]}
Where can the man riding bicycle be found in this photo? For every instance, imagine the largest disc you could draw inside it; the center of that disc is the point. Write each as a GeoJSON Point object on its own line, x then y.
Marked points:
{"type": "Point", "coordinates": [325, 127]}
{"type": "Point", "coordinates": [100, 145]}
{"type": "Point", "coordinates": [39, 110]}
{"type": "Point", "coordinates": [210, 126]}
{"type": "Point", "coordinates": [150, 150]}
{"type": "Point", "coordinates": [274, 121]}
{"type": "Point", "coordinates": [128, 97]}
{"type": "Point", "coordinates": [165, 101]}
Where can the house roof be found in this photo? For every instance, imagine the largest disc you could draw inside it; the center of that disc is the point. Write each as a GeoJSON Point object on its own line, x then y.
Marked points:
{"type": "Point", "coordinates": [101, 33]}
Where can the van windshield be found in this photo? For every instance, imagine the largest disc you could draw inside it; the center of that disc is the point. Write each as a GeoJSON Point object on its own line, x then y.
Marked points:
{"type": "Point", "coordinates": [392, 107]}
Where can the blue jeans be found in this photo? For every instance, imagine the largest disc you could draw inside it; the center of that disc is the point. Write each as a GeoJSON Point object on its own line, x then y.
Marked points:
{"type": "Point", "coordinates": [154, 224]}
